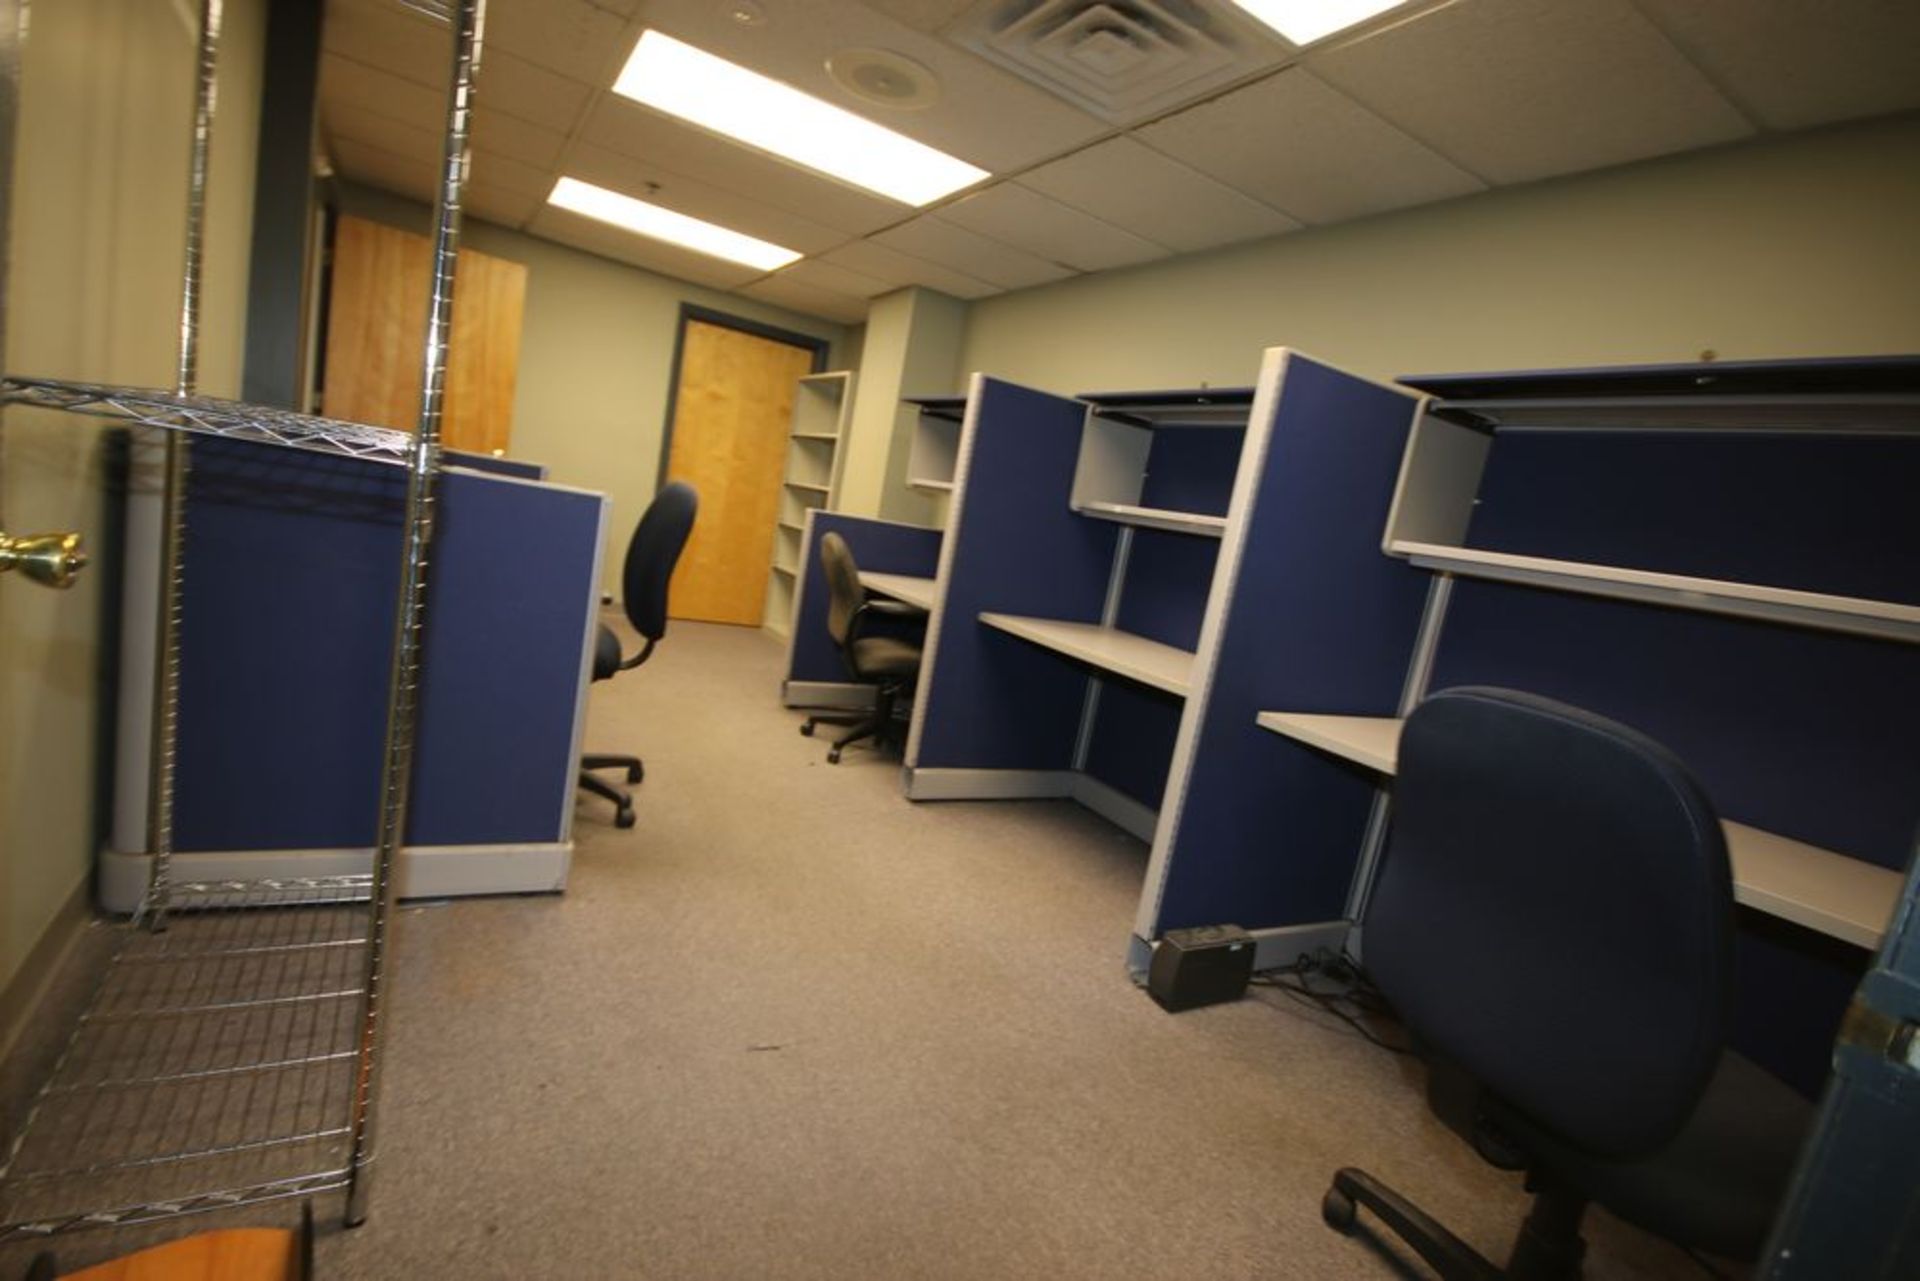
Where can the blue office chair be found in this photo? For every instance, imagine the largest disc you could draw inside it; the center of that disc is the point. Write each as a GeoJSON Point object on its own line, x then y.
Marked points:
{"type": "Point", "coordinates": [1553, 918]}
{"type": "Point", "coordinates": [652, 553]}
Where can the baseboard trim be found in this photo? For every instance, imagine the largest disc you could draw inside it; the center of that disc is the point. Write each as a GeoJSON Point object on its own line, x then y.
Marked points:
{"type": "Point", "coordinates": [423, 871]}
{"type": "Point", "coordinates": [989, 784]}
{"type": "Point", "coordinates": [22, 994]}
{"type": "Point", "coordinates": [1116, 806]}
{"type": "Point", "coordinates": [849, 695]}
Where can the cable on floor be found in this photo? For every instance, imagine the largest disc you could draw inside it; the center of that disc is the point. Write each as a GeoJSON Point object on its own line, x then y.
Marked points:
{"type": "Point", "coordinates": [1343, 991]}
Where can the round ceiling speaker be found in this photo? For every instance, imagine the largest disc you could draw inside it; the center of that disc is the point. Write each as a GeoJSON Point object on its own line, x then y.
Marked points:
{"type": "Point", "coordinates": [884, 79]}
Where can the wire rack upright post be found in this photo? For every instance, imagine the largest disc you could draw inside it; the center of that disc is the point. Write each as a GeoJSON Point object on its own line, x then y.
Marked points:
{"type": "Point", "coordinates": [231, 1054]}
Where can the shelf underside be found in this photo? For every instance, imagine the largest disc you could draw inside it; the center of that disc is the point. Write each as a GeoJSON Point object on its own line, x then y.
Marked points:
{"type": "Point", "coordinates": [1886, 619]}
{"type": "Point", "coordinates": [1844, 897]}
{"type": "Point", "coordinates": [214, 1067]}
{"type": "Point", "coordinates": [1156, 518]}
{"type": "Point", "coordinates": [1108, 648]}
{"type": "Point", "coordinates": [1862, 413]}
{"type": "Point", "coordinates": [207, 416]}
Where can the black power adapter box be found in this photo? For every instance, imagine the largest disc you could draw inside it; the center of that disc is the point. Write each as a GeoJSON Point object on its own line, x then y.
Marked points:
{"type": "Point", "coordinates": [1201, 966]}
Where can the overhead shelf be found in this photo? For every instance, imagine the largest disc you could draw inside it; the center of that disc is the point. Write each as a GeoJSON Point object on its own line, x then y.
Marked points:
{"type": "Point", "coordinates": [1137, 658]}
{"type": "Point", "coordinates": [1205, 407]}
{"type": "Point", "coordinates": [210, 416]}
{"type": "Point", "coordinates": [1846, 898]}
{"type": "Point", "coordinates": [1885, 619]}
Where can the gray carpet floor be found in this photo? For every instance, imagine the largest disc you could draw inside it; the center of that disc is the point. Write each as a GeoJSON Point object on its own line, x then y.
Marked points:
{"type": "Point", "coordinates": [794, 1026]}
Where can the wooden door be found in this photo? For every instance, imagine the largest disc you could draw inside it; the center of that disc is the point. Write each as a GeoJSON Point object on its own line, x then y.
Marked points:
{"type": "Point", "coordinates": [732, 409]}
{"type": "Point", "coordinates": [377, 333]}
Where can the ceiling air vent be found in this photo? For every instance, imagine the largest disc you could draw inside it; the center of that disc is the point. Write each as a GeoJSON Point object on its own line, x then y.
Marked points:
{"type": "Point", "coordinates": [1122, 60]}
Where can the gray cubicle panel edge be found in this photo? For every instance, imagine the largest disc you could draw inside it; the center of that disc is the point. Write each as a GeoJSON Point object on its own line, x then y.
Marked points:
{"type": "Point", "coordinates": [1373, 650]}
{"type": "Point", "coordinates": [338, 650]}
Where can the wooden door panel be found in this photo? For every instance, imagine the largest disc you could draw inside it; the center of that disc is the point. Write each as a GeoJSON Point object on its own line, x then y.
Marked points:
{"type": "Point", "coordinates": [732, 410]}
{"type": "Point", "coordinates": [377, 332]}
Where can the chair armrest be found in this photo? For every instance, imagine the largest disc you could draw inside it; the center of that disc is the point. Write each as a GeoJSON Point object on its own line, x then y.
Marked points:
{"type": "Point", "coordinates": [874, 608]}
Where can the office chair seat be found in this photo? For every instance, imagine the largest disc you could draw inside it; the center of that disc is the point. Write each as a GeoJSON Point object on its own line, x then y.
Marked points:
{"type": "Point", "coordinates": [1715, 1186]}
{"type": "Point", "coordinates": [885, 658]}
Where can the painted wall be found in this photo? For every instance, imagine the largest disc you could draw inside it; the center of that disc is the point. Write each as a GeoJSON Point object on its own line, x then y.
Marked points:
{"type": "Point", "coordinates": [596, 358]}
{"type": "Point", "coordinates": [99, 203]}
{"type": "Point", "coordinates": [1803, 246]}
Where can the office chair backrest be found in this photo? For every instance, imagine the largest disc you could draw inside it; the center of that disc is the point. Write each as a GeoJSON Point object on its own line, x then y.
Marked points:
{"type": "Point", "coordinates": [651, 555]}
{"type": "Point", "coordinates": [1554, 914]}
{"type": "Point", "coordinates": [844, 592]}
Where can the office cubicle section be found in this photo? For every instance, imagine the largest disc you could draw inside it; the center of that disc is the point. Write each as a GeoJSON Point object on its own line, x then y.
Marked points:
{"type": "Point", "coordinates": [286, 645]}
{"type": "Point", "coordinates": [1258, 831]}
{"type": "Point", "coordinates": [816, 674]}
{"type": "Point", "coordinates": [997, 715]}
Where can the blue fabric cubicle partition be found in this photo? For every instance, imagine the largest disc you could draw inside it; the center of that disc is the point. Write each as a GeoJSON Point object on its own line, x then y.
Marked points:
{"type": "Point", "coordinates": [1014, 546]}
{"type": "Point", "coordinates": [1316, 620]}
{"type": "Point", "coordinates": [287, 616]}
{"type": "Point", "coordinates": [878, 546]}
{"type": "Point", "coordinates": [498, 466]}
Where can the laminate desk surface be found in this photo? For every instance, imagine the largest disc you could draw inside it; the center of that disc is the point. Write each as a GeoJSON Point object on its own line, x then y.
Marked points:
{"type": "Point", "coordinates": [914, 591]}
{"type": "Point", "coordinates": [1846, 898]}
{"type": "Point", "coordinates": [1123, 653]}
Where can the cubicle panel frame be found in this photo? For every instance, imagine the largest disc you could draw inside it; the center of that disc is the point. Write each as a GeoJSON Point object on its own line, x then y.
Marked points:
{"type": "Point", "coordinates": [1236, 794]}
{"type": "Point", "coordinates": [995, 716]}
{"type": "Point", "coordinates": [342, 496]}
{"type": "Point", "coordinates": [816, 675]}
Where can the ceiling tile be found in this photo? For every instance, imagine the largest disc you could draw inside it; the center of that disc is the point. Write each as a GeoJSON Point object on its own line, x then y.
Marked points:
{"type": "Point", "coordinates": [364, 87]}
{"type": "Point", "coordinates": [901, 270]}
{"type": "Point", "coordinates": [1795, 63]}
{"type": "Point", "coordinates": [342, 120]}
{"type": "Point", "coordinates": [1292, 142]}
{"type": "Point", "coordinates": [1028, 220]}
{"type": "Point", "coordinates": [964, 251]}
{"type": "Point", "coordinates": [571, 37]}
{"type": "Point", "coordinates": [631, 130]}
{"type": "Point", "coordinates": [782, 291]}
{"type": "Point", "coordinates": [700, 200]}
{"type": "Point", "coordinates": [821, 274]}
{"type": "Point", "coordinates": [652, 255]}
{"type": "Point", "coordinates": [507, 208]}
{"type": "Point", "coordinates": [518, 88]}
{"type": "Point", "coordinates": [922, 15]}
{"type": "Point", "coordinates": [1135, 187]}
{"type": "Point", "coordinates": [367, 164]}
{"type": "Point", "coordinates": [1516, 90]}
{"type": "Point", "coordinates": [501, 171]}
{"type": "Point", "coordinates": [388, 36]}
{"type": "Point", "coordinates": [984, 115]}
{"type": "Point", "coordinates": [516, 139]}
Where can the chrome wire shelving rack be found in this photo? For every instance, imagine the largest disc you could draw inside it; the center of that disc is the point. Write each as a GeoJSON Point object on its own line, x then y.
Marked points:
{"type": "Point", "coordinates": [230, 1055]}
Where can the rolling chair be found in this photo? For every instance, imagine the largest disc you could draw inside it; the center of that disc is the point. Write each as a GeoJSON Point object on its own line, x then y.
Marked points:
{"type": "Point", "coordinates": [889, 663]}
{"type": "Point", "coordinates": [651, 555]}
{"type": "Point", "coordinates": [1553, 919]}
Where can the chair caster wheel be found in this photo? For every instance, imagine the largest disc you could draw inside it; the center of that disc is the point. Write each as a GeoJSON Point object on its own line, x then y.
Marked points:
{"type": "Point", "coordinates": [833, 756]}
{"type": "Point", "coordinates": [635, 773]}
{"type": "Point", "coordinates": [1337, 1208]}
{"type": "Point", "coordinates": [623, 817]}
{"type": "Point", "coordinates": [806, 729]}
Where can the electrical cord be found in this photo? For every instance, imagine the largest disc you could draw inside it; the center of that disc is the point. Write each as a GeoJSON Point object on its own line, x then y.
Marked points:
{"type": "Point", "coordinates": [1351, 988]}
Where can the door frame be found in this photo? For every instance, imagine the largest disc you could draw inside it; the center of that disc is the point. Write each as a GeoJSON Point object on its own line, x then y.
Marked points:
{"type": "Point", "coordinates": [759, 329]}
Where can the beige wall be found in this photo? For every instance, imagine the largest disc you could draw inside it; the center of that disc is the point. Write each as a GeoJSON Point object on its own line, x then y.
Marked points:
{"type": "Point", "coordinates": [596, 359]}
{"type": "Point", "coordinates": [1806, 246]}
{"type": "Point", "coordinates": [99, 199]}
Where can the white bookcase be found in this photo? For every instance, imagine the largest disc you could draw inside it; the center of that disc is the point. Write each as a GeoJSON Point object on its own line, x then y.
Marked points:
{"type": "Point", "coordinates": [822, 405]}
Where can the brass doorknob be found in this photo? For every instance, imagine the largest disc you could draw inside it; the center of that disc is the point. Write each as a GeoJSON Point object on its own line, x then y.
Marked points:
{"type": "Point", "coordinates": [53, 559]}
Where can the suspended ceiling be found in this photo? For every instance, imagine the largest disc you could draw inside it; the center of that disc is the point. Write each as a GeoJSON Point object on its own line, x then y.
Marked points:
{"type": "Point", "coordinates": [1433, 101]}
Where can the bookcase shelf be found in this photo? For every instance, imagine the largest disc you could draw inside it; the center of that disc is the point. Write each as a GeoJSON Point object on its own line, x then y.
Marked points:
{"type": "Point", "coordinates": [822, 404]}
{"type": "Point", "coordinates": [1847, 898]}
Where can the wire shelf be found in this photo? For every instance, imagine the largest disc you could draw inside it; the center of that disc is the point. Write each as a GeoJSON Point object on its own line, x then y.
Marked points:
{"type": "Point", "coordinates": [209, 416]}
{"type": "Point", "coordinates": [215, 1066]}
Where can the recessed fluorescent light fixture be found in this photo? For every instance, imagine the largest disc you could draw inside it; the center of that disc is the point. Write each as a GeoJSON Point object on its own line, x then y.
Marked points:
{"type": "Point", "coordinates": [711, 92]}
{"type": "Point", "coordinates": [1305, 21]}
{"type": "Point", "coordinates": [664, 224]}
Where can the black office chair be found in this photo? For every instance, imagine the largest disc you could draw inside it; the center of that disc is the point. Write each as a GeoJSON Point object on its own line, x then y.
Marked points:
{"type": "Point", "coordinates": [651, 555]}
{"type": "Point", "coordinates": [1553, 919]}
{"type": "Point", "coordinates": [889, 663]}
